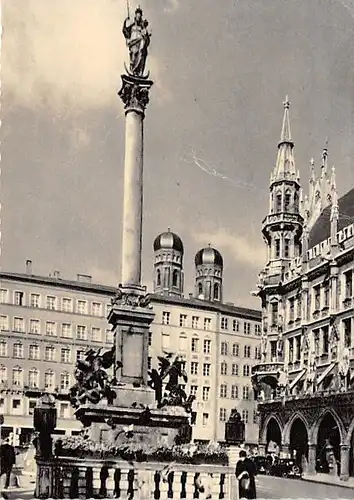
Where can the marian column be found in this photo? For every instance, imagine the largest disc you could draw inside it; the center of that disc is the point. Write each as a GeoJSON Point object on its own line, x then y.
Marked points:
{"type": "Point", "coordinates": [131, 314]}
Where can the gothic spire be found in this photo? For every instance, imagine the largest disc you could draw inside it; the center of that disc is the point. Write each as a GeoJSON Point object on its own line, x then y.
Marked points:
{"type": "Point", "coordinates": [285, 165]}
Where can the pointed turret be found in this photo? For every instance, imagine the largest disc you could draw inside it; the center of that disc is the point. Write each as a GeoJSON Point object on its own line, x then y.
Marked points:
{"type": "Point", "coordinates": [285, 164]}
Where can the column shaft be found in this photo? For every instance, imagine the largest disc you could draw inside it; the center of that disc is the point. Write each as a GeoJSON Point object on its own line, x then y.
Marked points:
{"type": "Point", "coordinates": [133, 199]}
{"type": "Point", "coordinates": [344, 462]}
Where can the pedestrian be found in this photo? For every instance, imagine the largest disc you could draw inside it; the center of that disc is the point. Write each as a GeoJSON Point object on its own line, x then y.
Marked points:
{"type": "Point", "coordinates": [245, 474]}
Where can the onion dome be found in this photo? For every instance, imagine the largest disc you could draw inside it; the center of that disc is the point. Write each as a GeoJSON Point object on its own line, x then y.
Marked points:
{"type": "Point", "coordinates": [208, 256]}
{"type": "Point", "coordinates": [321, 230]}
{"type": "Point", "coordinates": [168, 241]}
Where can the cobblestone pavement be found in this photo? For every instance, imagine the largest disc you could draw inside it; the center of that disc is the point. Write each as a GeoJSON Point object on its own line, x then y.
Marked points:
{"type": "Point", "coordinates": [273, 487]}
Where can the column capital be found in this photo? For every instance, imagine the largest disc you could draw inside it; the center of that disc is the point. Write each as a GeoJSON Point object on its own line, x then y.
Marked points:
{"type": "Point", "coordinates": [135, 93]}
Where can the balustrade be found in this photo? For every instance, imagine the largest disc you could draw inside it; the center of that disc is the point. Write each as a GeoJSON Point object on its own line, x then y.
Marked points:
{"type": "Point", "coordinates": [91, 478]}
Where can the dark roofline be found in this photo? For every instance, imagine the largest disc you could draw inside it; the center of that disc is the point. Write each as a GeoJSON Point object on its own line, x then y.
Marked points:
{"type": "Point", "coordinates": [59, 282]}
{"type": "Point", "coordinates": [195, 303]}
{"type": "Point", "coordinates": [110, 291]}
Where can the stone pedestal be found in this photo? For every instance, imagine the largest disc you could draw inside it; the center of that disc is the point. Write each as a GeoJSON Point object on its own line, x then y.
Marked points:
{"type": "Point", "coordinates": [311, 467]}
{"type": "Point", "coordinates": [344, 462]}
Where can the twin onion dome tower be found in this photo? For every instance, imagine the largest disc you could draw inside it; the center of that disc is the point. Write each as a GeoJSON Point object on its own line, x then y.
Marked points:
{"type": "Point", "coordinates": [168, 269]}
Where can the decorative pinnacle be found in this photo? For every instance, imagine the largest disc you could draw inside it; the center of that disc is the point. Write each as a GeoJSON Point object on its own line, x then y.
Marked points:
{"type": "Point", "coordinates": [286, 103]}
{"type": "Point", "coordinates": [285, 135]}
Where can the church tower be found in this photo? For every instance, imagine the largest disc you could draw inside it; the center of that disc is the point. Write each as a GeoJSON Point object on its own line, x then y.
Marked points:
{"type": "Point", "coordinates": [283, 226]}
{"type": "Point", "coordinates": [168, 264]}
{"type": "Point", "coordinates": [208, 274]}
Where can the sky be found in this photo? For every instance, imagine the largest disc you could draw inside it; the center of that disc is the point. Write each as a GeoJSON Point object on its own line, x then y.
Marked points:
{"type": "Point", "coordinates": [221, 70]}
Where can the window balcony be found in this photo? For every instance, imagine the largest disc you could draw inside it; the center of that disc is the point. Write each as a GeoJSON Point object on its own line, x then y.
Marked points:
{"type": "Point", "coordinates": [271, 369]}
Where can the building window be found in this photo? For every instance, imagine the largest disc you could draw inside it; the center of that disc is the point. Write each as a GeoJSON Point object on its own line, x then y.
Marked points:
{"type": "Point", "coordinates": [33, 352]}
{"type": "Point", "coordinates": [49, 353]}
{"type": "Point", "coordinates": [257, 329]}
{"type": "Point", "coordinates": [273, 350]}
{"type": "Point", "coordinates": [298, 348]}
{"type": "Point", "coordinates": [224, 323]}
{"type": "Point", "coordinates": [286, 248]}
{"type": "Point", "coordinates": [235, 325]}
{"type": "Point", "coordinates": [291, 350]}
{"type": "Point", "coordinates": [236, 350]}
{"type": "Point", "coordinates": [4, 296]}
{"type": "Point", "coordinates": [17, 405]}
{"type": "Point", "coordinates": [247, 328]}
{"type": "Point", "coordinates": [223, 368]}
{"type": "Point", "coordinates": [51, 302]}
{"type": "Point", "coordinates": [3, 374]}
{"type": "Point", "coordinates": [274, 313]}
{"type": "Point", "coordinates": [194, 390]}
{"type": "Point", "coordinates": [326, 294]}
{"type": "Point", "coordinates": [66, 330]}
{"type": "Point", "coordinates": [207, 323]}
{"type": "Point", "coordinates": [206, 392]}
{"type": "Point", "coordinates": [223, 391]}
{"type": "Point", "coordinates": [291, 309]}
{"type": "Point", "coordinates": [216, 291]}
{"type": "Point", "coordinates": [207, 346]}
{"type": "Point", "coordinates": [255, 417]}
{"type": "Point", "coordinates": [64, 381]}
{"type": "Point", "coordinates": [49, 380]}
{"type": "Point", "coordinates": [65, 355]}
{"type": "Point", "coordinates": [348, 277]}
{"type": "Point", "coordinates": [50, 328]}
{"type": "Point", "coordinates": [35, 326]}
{"type": "Point", "coordinates": [158, 278]}
{"type": "Point", "coordinates": [96, 334]}
{"type": "Point", "coordinates": [234, 369]}
{"type": "Point", "coordinates": [96, 309]}
{"type": "Point", "coordinates": [33, 378]}
{"type": "Point", "coordinates": [165, 341]}
{"type": "Point", "coordinates": [64, 410]}
{"type": "Point", "coordinates": [316, 336]}
{"type": "Point", "coordinates": [80, 355]}
{"type": "Point", "coordinates": [222, 414]}
{"type": "Point", "coordinates": [195, 322]}
{"type": "Point", "coordinates": [246, 370]}
{"type": "Point", "coordinates": [278, 202]}
{"type": "Point", "coordinates": [257, 353]}
{"type": "Point", "coordinates": [194, 345]}
{"type": "Point", "coordinates": [317, 297]}
{"type": "Point", "coordinates": [246, 392]}
{"type": "Point", "coordinates": [18, 350]}
{"type": "Point", "coordinates": [35, 300]}
{"type": "Point", "coordinates": [3, 348]}
{"type": "Point", "coordinates": [19, 298]}
{"type": "Point", "coordinates": [277, 248]}
{"type": "Point", "coordinates": [109, 336]}
{"type": "Point", "coordinates": [183, 343]}
{"type": "Point", "coordinates": [325, 338]}
{"type": "Point", "coordinates": [234, 392]}
{"type": "Point", "coordinates": [287, 199]}
{"type": "Point", "coordinates": [247, 351]}
{"type": "Point", "coordinates": [175, 278]}
{"type": "Point", "coordinates": [205, 419]}
{"type": "Point", "coordinates": [19, 325]}
{"type": "Point", "coordinates": [194, 368]}
{"type": "Point", "coordinates": [31, 407]}
{"type": "Point", "coordinates": [224, 348]}
{"type": "Point", "coordinates": [206, 369]}
{"type": "Point", "coordinates": [347, 324]}
{"type": "Point", "coordinates": [81, 307]}
{"type": "Point", "coordinates": [67, 305]}
{"type": "Point", "coordinates": [17, 376]}
{"type": "Point", "coordinates": [150, 339]}
{"type": "Point", "coordinates": [245, 416]}
{"type": "Point", "coordinates": [183, 320]}
{"type": "Point", "coordinates": [108, 309]}
{"type": "Point", "coordinates": [166, 316]}
{"type": "Point", "coordinates": [4, 323]}
{"type": "Point", "coordinates": [81, 332]}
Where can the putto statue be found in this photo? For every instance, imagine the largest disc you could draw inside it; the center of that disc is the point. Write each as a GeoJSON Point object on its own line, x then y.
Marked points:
{"type": "Point", "coordinates": [137, 37]}
{"type": "Point", "coordinates": [92, 380]}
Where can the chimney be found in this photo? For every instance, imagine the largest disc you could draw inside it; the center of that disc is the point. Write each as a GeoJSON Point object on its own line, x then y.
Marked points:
{"type": "Point", "coordinates": [28, 267]}
{"type": "Point", "coordinates": [56, 274]}
{"type": "Point", "coordinates": [84, 278]}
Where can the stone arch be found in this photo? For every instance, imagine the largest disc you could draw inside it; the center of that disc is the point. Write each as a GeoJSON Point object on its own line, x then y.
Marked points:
{"type": "Point", "coordinates": [274, 417]}
{"type": "Point", "coordinates": [289, 424]}
{"type": "Point", "coordinates": [350, 433]}
{"type": "Point", "coordinates": [313, 434]}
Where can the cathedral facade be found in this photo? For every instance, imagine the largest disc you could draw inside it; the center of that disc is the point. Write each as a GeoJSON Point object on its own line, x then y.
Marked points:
{"type": "Point", "coordinates": [305, 380]}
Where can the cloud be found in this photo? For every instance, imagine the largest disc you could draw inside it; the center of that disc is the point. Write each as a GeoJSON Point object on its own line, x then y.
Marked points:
{"type": "Point", "coordinates": [243, 250]}
{"type": "Point", "coordinates": [63, 54]}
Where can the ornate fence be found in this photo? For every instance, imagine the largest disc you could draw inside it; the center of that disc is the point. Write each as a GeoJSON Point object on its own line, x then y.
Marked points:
{"type": "Point", "coordinates": [64, 477]}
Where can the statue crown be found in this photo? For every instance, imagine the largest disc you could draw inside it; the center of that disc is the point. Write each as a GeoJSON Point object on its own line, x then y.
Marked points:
{"type": "Point", "coordinates": [138, 9]}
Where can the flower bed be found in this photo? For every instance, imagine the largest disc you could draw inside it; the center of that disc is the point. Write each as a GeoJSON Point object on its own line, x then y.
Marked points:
{"type": "Point", "coordinates": [191, 453]}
